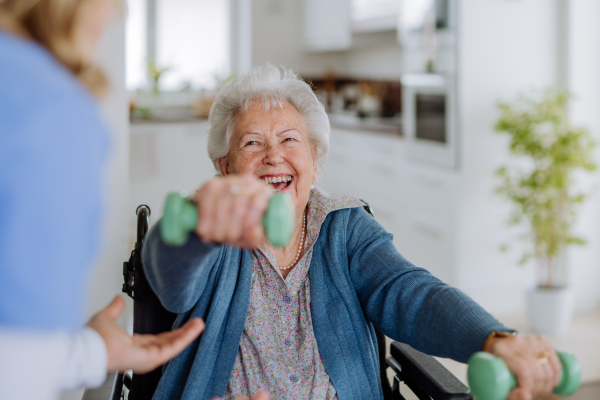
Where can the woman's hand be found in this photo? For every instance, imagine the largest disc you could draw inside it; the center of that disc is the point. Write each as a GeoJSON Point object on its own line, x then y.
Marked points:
{"type": "Point", "coordinates": [533, 362]}
{"type": "Point", "coordinates": [230, 210]}
{"type": "Point", "coordinates": [140, 353]}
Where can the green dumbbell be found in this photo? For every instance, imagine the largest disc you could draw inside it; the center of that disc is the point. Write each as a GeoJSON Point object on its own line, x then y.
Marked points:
{"type": "Point", "coordinates": [490, 379]}
{"type": "Point", "coordinates": [181, 216]}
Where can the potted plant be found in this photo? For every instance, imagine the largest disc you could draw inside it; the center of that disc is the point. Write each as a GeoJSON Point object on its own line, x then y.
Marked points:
{"type": "Point", "coordinates": [543, 196]}
{"type": "Point", "coordinates": [155, 73]}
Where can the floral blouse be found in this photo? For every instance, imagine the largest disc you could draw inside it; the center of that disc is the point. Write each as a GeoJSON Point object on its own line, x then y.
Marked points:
{"type": "Point", "coordinates": [278, 352]}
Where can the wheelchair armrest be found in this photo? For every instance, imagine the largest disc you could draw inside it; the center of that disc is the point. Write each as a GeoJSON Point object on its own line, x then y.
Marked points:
{"type": "Point", "coordinates": [110, 389]}
{"type": "Point", "coordinates": [423, 373]}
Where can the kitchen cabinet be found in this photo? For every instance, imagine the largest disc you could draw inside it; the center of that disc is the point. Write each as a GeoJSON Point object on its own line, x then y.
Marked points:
{"type": "Point", "coordinates": [326, 25]}
{"type": "Point", "coordinates": [413, 201]}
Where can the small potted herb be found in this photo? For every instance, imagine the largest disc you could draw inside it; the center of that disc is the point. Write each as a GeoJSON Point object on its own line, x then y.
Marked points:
{"type": "Point", "coordinates": [155, 73]}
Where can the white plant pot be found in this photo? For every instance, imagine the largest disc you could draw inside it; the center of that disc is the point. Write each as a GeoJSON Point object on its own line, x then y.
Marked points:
{"type": "Point", "coordinates": [550, 310]}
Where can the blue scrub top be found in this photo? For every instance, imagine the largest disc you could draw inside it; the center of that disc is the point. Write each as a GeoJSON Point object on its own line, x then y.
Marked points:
{"type": "Point", "coordinates": [53, 150]}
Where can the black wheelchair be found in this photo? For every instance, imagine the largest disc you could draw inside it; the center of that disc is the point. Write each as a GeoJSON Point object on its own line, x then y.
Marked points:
{"type": "Point", "coordinates": [423, 374]}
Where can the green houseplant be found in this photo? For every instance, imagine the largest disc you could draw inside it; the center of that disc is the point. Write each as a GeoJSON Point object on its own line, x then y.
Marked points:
{"type": "Point", "coordinates": [542, 190]}
{"type": "Point", "coordinates": [155, 73]}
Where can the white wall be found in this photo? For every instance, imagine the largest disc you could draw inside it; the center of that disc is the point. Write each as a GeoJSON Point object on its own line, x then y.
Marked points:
{"type": "Point", "coordinates": [107, 276]}
{"type": "Point", "coordinates": [583, 79]}
{"type": "Point", "coordinates": [384, 60]}
{"type": "Point", "coordinates": [277, 37]}
{"type": "Point", "coordinates": [506, 47]}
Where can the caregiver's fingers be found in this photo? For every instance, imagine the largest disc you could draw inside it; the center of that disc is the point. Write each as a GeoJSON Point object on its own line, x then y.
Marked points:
{"type": "Point", "coordinates": [146, 352]}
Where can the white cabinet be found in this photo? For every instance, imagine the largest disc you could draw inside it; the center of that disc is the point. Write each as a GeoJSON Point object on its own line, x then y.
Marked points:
{"type": "Point", "coordinates": [326, 25]}
{"type": "Point", "coordinates": [413, 201]}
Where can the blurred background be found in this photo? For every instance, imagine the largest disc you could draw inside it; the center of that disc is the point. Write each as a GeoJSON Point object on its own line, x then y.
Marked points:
{"type": "Point", "coordinates": [411, 88]}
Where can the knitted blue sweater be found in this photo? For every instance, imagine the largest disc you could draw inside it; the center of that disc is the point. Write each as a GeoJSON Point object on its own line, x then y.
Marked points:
{"type": "Point", "coordinates": [357, 280]}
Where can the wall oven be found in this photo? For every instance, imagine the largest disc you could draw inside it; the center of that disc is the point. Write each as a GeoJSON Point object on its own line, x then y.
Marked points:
{"type": "Point", "coordinates": [429, 118]}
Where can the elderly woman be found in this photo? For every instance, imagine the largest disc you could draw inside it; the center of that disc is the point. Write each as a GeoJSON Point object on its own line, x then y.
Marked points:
{"type": "Point", "coordinates": [298, 321]}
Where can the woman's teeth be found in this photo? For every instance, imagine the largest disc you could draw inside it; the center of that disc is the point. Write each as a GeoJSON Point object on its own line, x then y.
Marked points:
{"type": "Point", "coordinates": [277, 179]}
{"type": "Point", "coordinates": [278, 182]}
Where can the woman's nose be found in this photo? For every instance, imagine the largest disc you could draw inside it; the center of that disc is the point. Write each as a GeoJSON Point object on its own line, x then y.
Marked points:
{"type": "Point", "coordinates": [274, 155]}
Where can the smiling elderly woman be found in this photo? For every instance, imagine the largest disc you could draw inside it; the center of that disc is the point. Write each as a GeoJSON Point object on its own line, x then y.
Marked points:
{"type": "Point", "coordinates": [297, 322]}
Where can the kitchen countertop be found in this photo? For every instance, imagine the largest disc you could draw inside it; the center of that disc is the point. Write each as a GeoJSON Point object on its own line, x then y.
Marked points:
{"type": "Point", "coordinates": [392, 126]}
{"type": "Point", "coordinates": [384, 125]}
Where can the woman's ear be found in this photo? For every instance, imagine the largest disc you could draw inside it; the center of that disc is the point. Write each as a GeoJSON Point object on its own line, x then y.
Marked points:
{"type": "Point", "coordinates": [224, 165]}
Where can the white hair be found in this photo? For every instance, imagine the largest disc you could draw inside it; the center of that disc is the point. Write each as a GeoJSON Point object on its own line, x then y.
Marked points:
{"type": "Point", "coordinates": [272, 86]}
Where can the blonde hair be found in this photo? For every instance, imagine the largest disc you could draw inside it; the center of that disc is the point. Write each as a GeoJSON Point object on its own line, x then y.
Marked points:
{"type": "Point", "coordinates": [53, 24]}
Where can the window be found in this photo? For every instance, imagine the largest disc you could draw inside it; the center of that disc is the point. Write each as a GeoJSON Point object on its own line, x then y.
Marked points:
{"type": "Point", "coordinates": [189, 37]}
{"type": "Point", "coordinates": [135, 45]}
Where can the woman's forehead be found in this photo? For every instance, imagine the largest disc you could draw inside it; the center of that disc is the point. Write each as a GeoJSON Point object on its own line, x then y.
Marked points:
{"type": "Point", "coordinates": [261, 119]}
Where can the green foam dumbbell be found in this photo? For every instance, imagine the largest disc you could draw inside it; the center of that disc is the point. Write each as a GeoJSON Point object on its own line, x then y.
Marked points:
{"type": "Point", "coordinates": [490, 379]}
{"type": "Point", "coordinates": [181, 216]}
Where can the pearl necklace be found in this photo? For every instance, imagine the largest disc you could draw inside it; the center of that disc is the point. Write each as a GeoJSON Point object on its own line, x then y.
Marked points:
{"type": "Point", "coordinates": [297, 258]}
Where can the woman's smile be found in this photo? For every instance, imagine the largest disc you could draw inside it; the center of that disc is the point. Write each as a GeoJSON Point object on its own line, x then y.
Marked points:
{"type": "Point", "coordinates": [279, 182]}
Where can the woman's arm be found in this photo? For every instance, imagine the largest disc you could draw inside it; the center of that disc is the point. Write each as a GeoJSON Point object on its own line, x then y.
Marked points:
{"type": "Point", "coordinates": [178, 275]}
{"type": "Point", "coordinates": [407, 303]}
{"type": "Point", "coordinates": [39, 365]}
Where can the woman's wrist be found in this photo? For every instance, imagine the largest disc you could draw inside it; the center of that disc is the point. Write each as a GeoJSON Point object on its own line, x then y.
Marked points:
{"type": "Point", "coordinates": [493, 337]}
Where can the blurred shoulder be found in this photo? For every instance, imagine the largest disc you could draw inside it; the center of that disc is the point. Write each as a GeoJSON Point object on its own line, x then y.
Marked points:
{"type": "Point", "coordinates": [34, 82]}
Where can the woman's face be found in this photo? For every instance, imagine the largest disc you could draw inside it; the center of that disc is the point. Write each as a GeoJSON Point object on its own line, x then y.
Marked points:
{"type": "Point", "coordinates": [273, 146]}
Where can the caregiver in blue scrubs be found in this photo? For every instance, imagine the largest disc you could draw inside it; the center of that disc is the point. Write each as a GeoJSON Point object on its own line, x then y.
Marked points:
{"type": "Point", "coordinates": [53, 153]}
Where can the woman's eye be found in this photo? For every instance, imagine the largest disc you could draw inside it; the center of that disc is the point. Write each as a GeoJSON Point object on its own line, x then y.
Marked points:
{"type": "Point", "coordinates": [288, 139]}
{"type": "Point", "coordinates": [251, 143]}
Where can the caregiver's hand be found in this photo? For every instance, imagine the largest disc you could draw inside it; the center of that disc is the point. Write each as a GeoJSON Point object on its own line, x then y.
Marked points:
{"type": "Point", "coordinates": [230, 210]}
{"type": "Point", "coordinates": [140, 353]}
{"type": "Point", "coordinates": [533, 362]}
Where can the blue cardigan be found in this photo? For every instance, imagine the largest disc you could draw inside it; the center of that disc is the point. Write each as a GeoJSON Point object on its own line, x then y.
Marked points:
{"type": "Point", "coordinates": [357, 280]}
